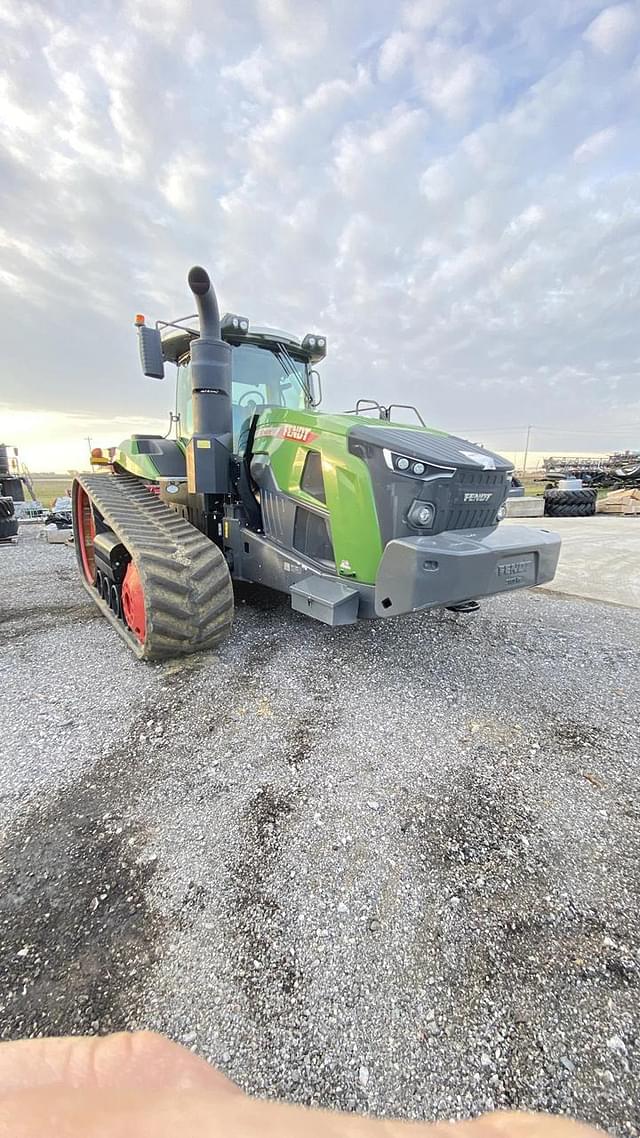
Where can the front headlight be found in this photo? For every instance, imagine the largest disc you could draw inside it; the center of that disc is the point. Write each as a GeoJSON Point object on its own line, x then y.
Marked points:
{"type": "Point", "coordinates": [502, 512]}
{"type": "Point", "coordinates": [421, 515]}
{"type": "Point", "coordinates": [416, 467]}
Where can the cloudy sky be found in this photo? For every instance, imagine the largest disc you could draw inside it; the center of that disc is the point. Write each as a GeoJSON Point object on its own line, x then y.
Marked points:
{"type": "Point", "coordinates": [448, 189]}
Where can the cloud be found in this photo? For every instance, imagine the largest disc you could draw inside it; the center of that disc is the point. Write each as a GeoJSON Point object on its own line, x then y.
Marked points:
{"type": "Point", "coordinates": [423, 15]}
{"type": "Point", "coordinates": [452, 79]}
{"type": "Point", "coordinates": [295, 33]}
{"type": "Point", "coordinates": [595, 145]}
{"type": "Point", "coordinates": [449, 190]}
{"type": "Point", "coordinates": [455, 81]}
{"type": "Point", "coordinates": [254, 75]}
{"type": "Point", "coordinates": [394, 53]}
{"type": "Point", "coordinates": [615, 29]}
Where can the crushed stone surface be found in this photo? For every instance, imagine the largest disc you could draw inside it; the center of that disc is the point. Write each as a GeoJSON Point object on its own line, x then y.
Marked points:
{"type": "Point", "coordinates": [389, 868]}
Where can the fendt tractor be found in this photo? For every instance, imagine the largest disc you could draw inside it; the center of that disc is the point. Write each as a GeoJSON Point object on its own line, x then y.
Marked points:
{"type": "Point", "coordinates": [352, 515]}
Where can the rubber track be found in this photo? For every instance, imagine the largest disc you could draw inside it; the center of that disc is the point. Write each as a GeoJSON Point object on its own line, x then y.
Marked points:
{"type": "Point", "coordinates": [187, 586]}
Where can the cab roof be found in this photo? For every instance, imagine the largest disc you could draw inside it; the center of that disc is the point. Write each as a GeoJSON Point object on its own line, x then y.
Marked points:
{"type": "Point", "coordinates": [177, 338]}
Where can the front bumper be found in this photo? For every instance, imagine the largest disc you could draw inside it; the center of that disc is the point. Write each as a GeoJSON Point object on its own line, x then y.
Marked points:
{"type": "Point", "coordinates": [425, 572]}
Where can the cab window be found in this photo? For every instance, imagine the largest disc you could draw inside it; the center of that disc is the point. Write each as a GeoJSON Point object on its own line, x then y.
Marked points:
{"type": "Point", "coordinates": [260, 379]}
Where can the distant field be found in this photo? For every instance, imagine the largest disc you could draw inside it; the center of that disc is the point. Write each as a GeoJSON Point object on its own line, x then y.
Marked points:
{"type": "Point", "coordinates": [47, 489]}
{"type": "Point", "coordinates": [531, 487]}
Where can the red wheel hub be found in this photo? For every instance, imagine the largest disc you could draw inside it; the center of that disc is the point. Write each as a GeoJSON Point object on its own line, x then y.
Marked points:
{"type": "Point", "coordinates": [133, 602]}
{"type": "Point", "coordinates": [86, 532]}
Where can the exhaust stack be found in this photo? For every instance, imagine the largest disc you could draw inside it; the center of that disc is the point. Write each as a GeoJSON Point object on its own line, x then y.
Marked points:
{"type": "Point", "coordinates": [209, 449]}
{"type": "Point", "coordinates": [206, 301]}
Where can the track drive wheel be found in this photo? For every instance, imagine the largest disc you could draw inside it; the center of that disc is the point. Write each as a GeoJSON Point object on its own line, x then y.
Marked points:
{"type": "Point", "coordinates": [85, 528]}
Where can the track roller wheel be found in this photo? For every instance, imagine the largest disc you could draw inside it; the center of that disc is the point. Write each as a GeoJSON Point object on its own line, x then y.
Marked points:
{"type": "Point", "coordinates": [133, 602]}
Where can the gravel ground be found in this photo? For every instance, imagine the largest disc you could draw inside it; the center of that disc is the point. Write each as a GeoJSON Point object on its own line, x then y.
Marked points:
{"type": "Point", "coordinates": [390, 868]}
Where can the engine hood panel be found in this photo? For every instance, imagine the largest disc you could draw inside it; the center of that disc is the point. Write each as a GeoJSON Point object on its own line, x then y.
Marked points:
{"type": "Point", "coordinates": [443, 450]}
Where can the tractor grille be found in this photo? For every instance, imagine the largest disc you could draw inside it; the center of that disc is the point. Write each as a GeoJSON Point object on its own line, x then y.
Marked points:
{"type": "Point", "coordinates": [463, 514]}
{"type": "Point", "coordinates": [469, 519]}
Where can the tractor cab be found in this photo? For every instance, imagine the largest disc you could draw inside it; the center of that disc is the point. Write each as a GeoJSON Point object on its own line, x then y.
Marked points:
{"type": "Point", "coordinates": [269, 369]}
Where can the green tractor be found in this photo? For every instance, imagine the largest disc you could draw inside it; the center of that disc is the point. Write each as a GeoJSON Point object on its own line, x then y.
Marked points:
{"type": "Point", "coordinates": [351, 515]}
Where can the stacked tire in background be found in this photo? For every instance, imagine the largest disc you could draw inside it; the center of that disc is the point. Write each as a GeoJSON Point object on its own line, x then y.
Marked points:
{"type": "Point", "coordinates": [570, 503]}
{"type": "Point", "coordinates": [8, 521]}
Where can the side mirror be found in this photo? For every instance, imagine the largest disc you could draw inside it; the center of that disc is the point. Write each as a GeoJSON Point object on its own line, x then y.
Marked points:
{"type": "Point", "coordinates": [150, 346]}
{"type": "Point", "coordinates": [315, 388]}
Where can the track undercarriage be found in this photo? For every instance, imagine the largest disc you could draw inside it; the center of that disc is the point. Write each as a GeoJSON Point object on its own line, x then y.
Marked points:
{"type": "Point", "coordinates": [161, 583]}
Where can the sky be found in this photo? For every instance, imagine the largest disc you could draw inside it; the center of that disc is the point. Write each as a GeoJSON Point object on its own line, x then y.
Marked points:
{"type": "Point", "coordinates": [449, 190]}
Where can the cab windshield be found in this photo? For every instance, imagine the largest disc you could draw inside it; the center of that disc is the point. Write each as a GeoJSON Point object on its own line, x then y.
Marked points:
{"type": "Point", "coordinates": [262, 377]}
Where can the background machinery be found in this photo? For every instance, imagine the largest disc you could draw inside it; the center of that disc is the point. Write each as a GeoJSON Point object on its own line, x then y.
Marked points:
{"type": "Point", "coordinates": [620, 471]}
{"type": "Point", "coordinates": [13, 479]}
{"type": "Point", "coordinates": [352, 515]}
{"type": "Point", "coordinates": [573, 482]}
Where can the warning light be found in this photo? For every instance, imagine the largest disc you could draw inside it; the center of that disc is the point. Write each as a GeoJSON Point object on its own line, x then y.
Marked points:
{"type": "Point", "coordinates": [101, 456]}
{"type": "Point", "coordinates": [139, 319]}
